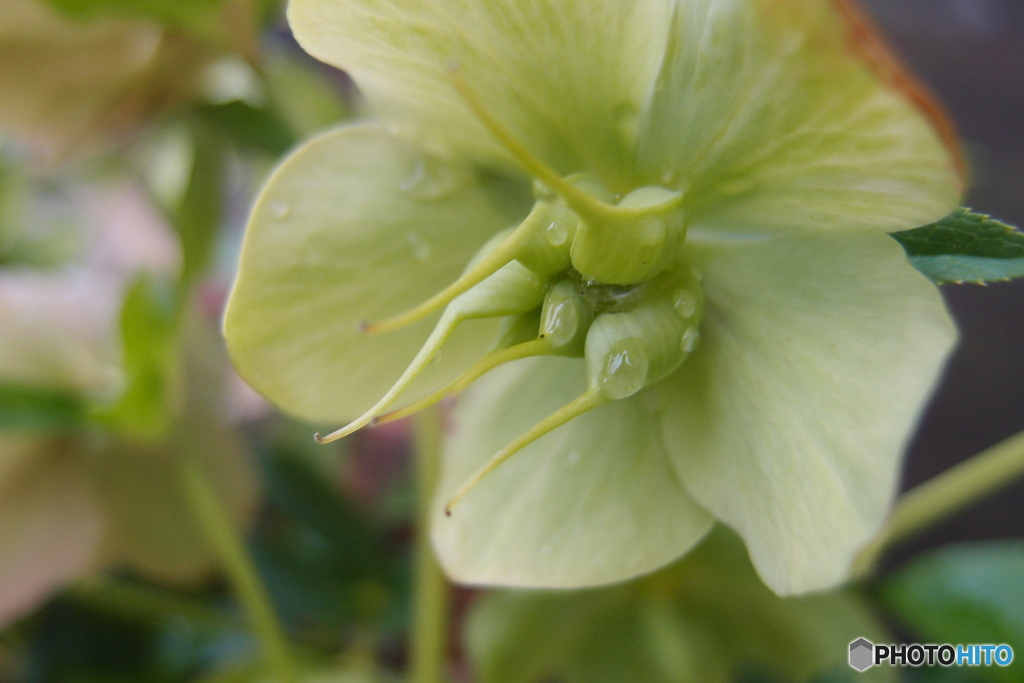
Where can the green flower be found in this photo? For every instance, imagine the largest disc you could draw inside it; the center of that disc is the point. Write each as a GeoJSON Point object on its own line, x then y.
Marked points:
{"type": "Point", "coordinates": [720, 326]}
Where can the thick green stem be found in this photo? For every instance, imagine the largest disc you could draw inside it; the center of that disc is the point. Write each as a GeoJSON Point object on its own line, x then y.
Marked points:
{"type": "Point", "coordinates": [227, 543]}
{"type": "Point", "coordinates": [430, 609]}
{"type": "Point", "coordinates": [946, 494]}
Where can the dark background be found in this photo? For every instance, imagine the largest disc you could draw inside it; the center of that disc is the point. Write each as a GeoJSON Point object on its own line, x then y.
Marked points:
{"type": "Point", "coordinates": [971, 54]}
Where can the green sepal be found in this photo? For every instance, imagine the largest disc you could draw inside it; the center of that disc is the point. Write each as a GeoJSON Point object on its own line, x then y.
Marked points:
{"type": "Point", "coordinates": [965, 247]}
{"type": "Point", "coordinates": [24, 408]}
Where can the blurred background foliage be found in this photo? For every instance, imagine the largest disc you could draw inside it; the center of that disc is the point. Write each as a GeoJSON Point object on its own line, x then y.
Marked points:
{"type": "Point", "coordinates": [133, 136]}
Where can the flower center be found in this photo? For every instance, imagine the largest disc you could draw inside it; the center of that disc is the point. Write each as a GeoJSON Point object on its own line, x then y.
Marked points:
{"type": "Point", "coordinates": [582, 276]}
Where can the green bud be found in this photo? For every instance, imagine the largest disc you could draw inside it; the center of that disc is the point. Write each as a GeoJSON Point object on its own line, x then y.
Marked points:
{"type": "Point", "coordinates": [627, 351]}
{"type": "Point", "coordinates": [633, 241]}
{"type": "Point", "coordinates": [565, 319]}
{"type": "Point", "coordinates": [543, 241]}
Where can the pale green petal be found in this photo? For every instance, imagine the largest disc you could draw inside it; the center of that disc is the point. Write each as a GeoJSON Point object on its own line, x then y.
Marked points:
{"type": "Point", "coordinates": [566, 77]}
{"type": "Point", "coordinates": [593, 502]}
{"type": "Point", "coordinates": [50, 526]}
{"type": "Point", "coordinates": [356, 227]}
{"type": "Point", "coordinates": [779, 115]}
{"type": "Point", "coordinates": [789, 420]}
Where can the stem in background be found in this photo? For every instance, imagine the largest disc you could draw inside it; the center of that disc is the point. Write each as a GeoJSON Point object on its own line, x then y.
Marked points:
{"type": "Point", "coordinates": [946, 494]}
{"type": "Point", "coordinates": [225, 541]}
{"type": "Point", "coordinates": [146, 604]}
{"type": "Point", "coordinates": [431, 597]}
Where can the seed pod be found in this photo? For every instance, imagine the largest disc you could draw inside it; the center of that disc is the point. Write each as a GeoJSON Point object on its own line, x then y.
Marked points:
{"type": "Point", "coordinates": [513, 290]}
{"type": "Point", "coordinates": [633, 241]}
{"type": "Point", "coordinates": [565, 319]}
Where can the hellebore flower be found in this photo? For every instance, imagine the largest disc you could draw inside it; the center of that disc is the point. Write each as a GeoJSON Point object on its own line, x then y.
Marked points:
{"type": "Point", "coordinates": [721, 327]}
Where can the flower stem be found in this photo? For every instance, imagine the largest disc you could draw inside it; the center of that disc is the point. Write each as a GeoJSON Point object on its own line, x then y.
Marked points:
{"type": "Point", "coordinates": [145, 604]}
{"type": "Point", "coordinates": [226, 542]}
{"type": "Point", "coordinates": [946, 494]}
{"type": "Point", "coordinates": [430, 606]}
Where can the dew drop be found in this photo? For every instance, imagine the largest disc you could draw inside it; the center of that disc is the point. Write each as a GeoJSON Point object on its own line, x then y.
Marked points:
{"type": "Point", "coordinates": [432, 180]}
{"type": "Point", "coordinates": [421, 250]}
{"type": "Point", "coordinates": [690, 339]}
{"type": "Point", "coordinates": [557, 234]}
{"type": "Point", "coordinates": [573, 458]}
{"type": "Point", "coordinates": [280, 209]}
{"type": "Point", "coordinates": [668, 175]}
{"type": "Point", "coordinates": [625, 370]}
{"type": "Point", "coordinates": [627, 116]}
{"type": "Point", "coordinates": [685, 303]}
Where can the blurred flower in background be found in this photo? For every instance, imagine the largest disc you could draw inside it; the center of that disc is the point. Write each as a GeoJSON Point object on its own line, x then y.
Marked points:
{"type": "Point", "coordinates": [80, 77]}
{"type": "Point", "coordinates": [74, 496]}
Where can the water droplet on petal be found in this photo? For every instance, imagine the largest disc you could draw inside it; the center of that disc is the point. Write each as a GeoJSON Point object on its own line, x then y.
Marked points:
{"type": "Point", "coordinates": [421, 250]}
{"type": "Point", "coordinates": [431, 180]}
{"type": "Point", "coordinates": [690, 340]}
{"type": "Point", "coordinates": [627, 116]}
{"type": "Point", "coordinates": [557, 234]}
{"type": "Point", "coordinates": [685, 303]}
{"type": "Point", "coordinates": [280, 209]}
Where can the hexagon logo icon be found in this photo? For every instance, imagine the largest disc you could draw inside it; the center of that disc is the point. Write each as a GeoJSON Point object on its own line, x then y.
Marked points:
{"type": "Point", "coordinates": [862, 654]}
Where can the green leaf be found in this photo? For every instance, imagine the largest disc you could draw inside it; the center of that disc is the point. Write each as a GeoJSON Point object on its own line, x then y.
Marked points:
{"type": "Point", "coordinates": [149, 347]}
{"type": "Point", "coordinates": [31, 408]}
{"type": "Point", "coordinates": [965, 247]}
{"type": "Point", "coordinates": [249, 127]}
{"type": "Point", "coordinates": [302, 94]}
{"type": "Point", "coordinates": [962, 595]}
